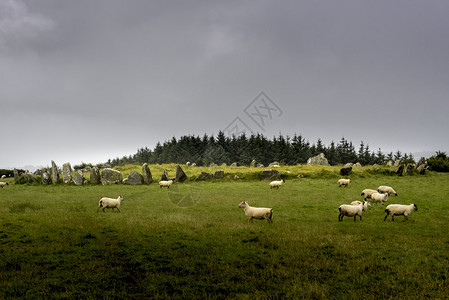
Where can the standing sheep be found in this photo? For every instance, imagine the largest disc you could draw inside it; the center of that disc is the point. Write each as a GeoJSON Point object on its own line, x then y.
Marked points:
{"type": "Point", "coordinates": [110, 203]}
{"type": "Point", "coordinates": [366, 193]}
{"type": "Point", "coordinates": [2, 184]}
{"type": "Point", "coordinates": [165, 183]}
{"type": "Point", "coordinates": [257, 212]}
{"type": "Point", "coordinates": [350, 211]}
{"type": "Point", "coordinates": [378, 197]}
{"type": "Point", "coordinates": [276, 183]}
{"type": "Point", "coordinates": [344, 182]}
{"type": "Point", "coordinates": [399, 209]}
{"type": "Point", "coordinates": [383, 189]}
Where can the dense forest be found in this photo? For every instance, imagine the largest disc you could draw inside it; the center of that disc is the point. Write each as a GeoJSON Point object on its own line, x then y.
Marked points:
{"type": "Point", "coordinates": [243, 149]}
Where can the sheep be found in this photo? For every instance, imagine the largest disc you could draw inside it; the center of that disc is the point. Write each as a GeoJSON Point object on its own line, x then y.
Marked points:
{"type": "Point", "coordinates": [386, 189]}
{"type": "Point", "coordinates": [378, 197]}
{"type": "Point", "coordinates": [366, 193]}
{"type": "Point", "coordinates": [2, 184]}
{"type": "Point", "coordinates": [365, 204]}
{"type": "Point", "coordinates": [257, 212]}
{"type": "Point", "coordinates": [3, 176]}
{"type": "Point", "coordinates": [399, 209]}
{"type": "Point", "coordinates": [110, 203]}
{"type": "Point", "coordinates": [344, 182]}
{"type": "Point", "coordinates": [350, 211]}
{"type": "Point", "coordinates": [165, 183]}
{"type": "Point", "coordinates": [276, 183]}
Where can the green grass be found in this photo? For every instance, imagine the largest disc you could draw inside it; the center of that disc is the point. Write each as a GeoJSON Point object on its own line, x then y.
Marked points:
{"type": "Point", "coordinates": [54, 244]}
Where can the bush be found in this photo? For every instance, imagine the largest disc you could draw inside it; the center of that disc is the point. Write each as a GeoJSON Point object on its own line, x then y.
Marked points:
{"type": "Point", "coordinates": [439, 162]}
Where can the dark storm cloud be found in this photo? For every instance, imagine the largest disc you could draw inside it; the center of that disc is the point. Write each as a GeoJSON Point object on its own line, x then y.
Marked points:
{"type": "Point", "coordinates": [126, 74]}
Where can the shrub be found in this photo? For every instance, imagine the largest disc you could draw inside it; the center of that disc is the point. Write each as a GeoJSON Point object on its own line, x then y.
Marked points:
{"type": "Point", "coordinates": [439, 162]}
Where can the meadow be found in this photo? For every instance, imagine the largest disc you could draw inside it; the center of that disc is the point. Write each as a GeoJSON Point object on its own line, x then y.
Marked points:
{"type": "Point", "coordinates": [193, 241]}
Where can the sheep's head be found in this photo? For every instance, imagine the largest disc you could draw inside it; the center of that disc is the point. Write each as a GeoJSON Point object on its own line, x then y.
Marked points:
{"type": "Point", "coordinates": [243, 204]}
{"type": "Point", "coordinates": [415, 207]}
{"type": "Point", "coordinates": [120, 198]}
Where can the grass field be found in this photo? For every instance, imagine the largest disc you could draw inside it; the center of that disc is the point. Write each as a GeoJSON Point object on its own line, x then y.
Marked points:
{"type": "Point", "coordinates": [54, 244]}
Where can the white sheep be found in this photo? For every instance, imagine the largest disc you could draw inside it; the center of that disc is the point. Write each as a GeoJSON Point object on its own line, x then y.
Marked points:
{"type": "Point", "coordinates": [386, 189]}
{"type": "Point", "coordinates": [365, 204]}
{"type": "Point", "coordinates": [344, 182]}
{"type": "Point", "coordinates": [276, 183]}
{"type": "Point", "coordinates": [110, 203]}
{"type": "Point", "coordinates": [3, 176]}
{"type": "Point", "coordinates": [378, 197]}
{"type": "Point", "coordinates": [165, 183]}
{"type": "Point", "coordinates": [2, 184]}
{"type": "Point", "coordinates": [399, 209]}
{"type": "Point", "coordinates": [257, 212]}
{"type": "Point", "coordinates": [366, 193]}
{"type": "Point", "coordinates": [350, 211]}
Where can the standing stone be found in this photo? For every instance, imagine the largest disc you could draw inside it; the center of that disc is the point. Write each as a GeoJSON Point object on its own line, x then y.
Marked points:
{"type": "Point", "coordinates": [348, 165]}
{"type": "Point", "coordinates": [253, 164]}
{"type": "Point", "coordinates": [45, 178]}
{"type": "Point", "coordinates": [110, 176]}
{"type": "Point", "coordinates": [164, 175]}
{"type": "Point", "coordinates": [318, 160]}
{"type": "Point", "coordinates": [390, 163]}
{"type": "Point", "coordinates": [28, 177]}
{"type": "Point", "coordinates": [180, 175]}
{"type": "Point", "coordinates": [270, 174]}
{"type": "Point", "coordinates": [219, 174]}
{"type": "Point", "coordinates": [66, 173]}
{"type": "Point", "coordinates": [409, 170]}
{"type": "Point", "coordinates": [95, 175]}
{"type": "Point", "coordinates": [234, 164]}
{"type": "Point", "coordinates": [397, 162]}
{"type": "Point", "coordinates": [16, 175]}
{"type": "Point", "coordinates": [345, 171]}
{"type": "Point", "coordinates": [205, 176]}
{"type": "Point", "coordinates": [421, 169]}
{"type": "Point", "coordinates": [400, 170]}
{"type": "Point", "coordinates": [135, 178]}
{"type": "Point", "coordinates": [79, 178]}
{"type": "Point", "coordinates": [146, 173]}
{"type": "Point", "coordinates": [422, 161]}
{"type": "Point", "coordinates": [54, 173]}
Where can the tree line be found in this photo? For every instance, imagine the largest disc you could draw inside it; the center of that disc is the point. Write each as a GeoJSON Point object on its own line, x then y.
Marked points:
{"type": "Point", "coordinates": [243, 149]}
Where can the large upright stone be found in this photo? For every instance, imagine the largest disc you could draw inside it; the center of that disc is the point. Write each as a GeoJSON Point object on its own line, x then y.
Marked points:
{"type": "Point", "coordinates": [135, 178]}
{"type": "Point", "coordinates": [318, 160]}
{"type": "Point", "coordinates": [79, 178]}
{"type": "Point", "coordinates": [95, 175]}
{"type": "Point", "coordinates": [16, 175]}
{"type": "Point", "coordinates": [180, 175]}
{"type": "Point", "coordinates": [66, 173]}
{"type": "Point", "coordinates": [253, 164]}
{"type": "Point", "coordinates": [45, 178]}
{"type": "Point", "coordinates": [205, 176]}
{"type": "Point", "coordinates": [421, 169]}
{"type": "Point", "coordinates": [270, 174]}
{"type": "Point", "coordinates": [409, 169]}
{"type": "Point", "coordinates": [110, 176]}
{"type": "Point", "coordinates": [400, 170]}
{"type": "Point", "coordinates": [146, 173]}
{"type": "Point", "coordinates": [54, 173]}
{"type": "Point", "coordinates": [345, 171]}
{"type": "Point", "coordinates": [164, 175]}
{"type": "Point", "coordinates": [219, 174]}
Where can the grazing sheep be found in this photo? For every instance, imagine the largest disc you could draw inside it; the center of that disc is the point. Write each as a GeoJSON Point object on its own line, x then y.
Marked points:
{"type": "Point", "coordinates": [257, 212]}
{"type": "Point", "coordinates": [110, 203]}
{"type": "Point", "coordinates": [276, 184]}
{"type": "Point", "coordinates": [2, 184]}
{"type": "Point", "coordinates": [3, 176]}
{"type": "Point", "coordinates": [350, 211]}
{"type": "Point", "coordinates": [378, 197]}
{"type": "Point", "coordinates": [386, 190]}
{"type": "Point", "coordinates": [344, 182]}
{"type": "Point", "coordinates": [365, 204]}
{"type": "Point", "coordinates": [399, 209]}
{"type": "Point", "coordinates": [165, 183]}
{"type": "Point", "coordinates": [366, 193]}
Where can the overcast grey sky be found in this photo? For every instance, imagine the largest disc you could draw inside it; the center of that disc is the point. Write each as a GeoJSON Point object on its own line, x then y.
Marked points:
{"type": "Point", "coordinates": [92, 80]}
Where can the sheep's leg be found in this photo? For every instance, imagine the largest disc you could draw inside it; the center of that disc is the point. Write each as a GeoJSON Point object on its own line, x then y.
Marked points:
{"type": "Point", "coordinates": [103, 209]}
{"type": "Point", "coordinates": [118, 209]}
{"type": "Point", "coordinates": [392, 217]}
{"type": "Point", "coordinates": [386, 217]}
